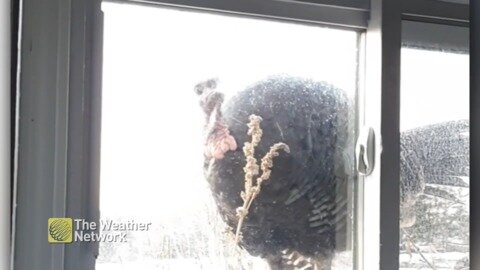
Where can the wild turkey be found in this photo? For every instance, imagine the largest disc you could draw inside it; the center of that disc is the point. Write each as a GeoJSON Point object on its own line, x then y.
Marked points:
{"type": "Point", "coordinates": [431, 157]}
{"type": "Point", "coordinates": [300, 217]}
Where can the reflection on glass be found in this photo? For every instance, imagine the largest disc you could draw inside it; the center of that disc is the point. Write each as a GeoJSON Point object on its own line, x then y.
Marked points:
{"type": "Point", "coordinates": [168, 161]}
{"type": "Point", "coordinates": [434, 160]}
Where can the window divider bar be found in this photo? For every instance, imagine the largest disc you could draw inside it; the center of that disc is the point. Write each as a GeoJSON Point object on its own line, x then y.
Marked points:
{"type": "Point", "coordinates": [475, 136]}
{"type": "Point", "coordinates": [390, 134]}
{"type": "Point", "coordinates": [382, 112]}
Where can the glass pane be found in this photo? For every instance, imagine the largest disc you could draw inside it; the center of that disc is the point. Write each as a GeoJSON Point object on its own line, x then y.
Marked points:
{"type": "Point", "coordinates": [179, 89]}
{"type": "Point", "coordinates": [434, 205]}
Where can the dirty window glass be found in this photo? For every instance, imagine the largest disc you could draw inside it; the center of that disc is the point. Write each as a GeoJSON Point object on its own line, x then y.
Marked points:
{"type": "Point", "coordinates": [179, 89]}
{"type": "Point", "coordinates": [434, 205]}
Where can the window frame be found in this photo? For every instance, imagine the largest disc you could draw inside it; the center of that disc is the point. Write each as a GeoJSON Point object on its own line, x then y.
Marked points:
{"type": "Point", "coordinates": [63, 178]}
{"type": "Point", "coordinates": [351, 16]}
{"type": "Point", "coordinates": [6, 134]}
{"type": "Point", "coordinates": [58, 117]}
{"type": "Point", "coordinates": [414, 35]}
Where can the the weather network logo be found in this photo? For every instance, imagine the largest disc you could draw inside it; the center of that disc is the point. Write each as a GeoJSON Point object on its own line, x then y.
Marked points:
{"type": "Point", "coordinates": [68, 230]}
{"type": "Point", "coordinates": [60, 230]}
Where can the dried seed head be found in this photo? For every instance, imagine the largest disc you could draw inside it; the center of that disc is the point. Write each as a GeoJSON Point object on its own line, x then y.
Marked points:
{"type": "Point", "coordinates": [251, 169]}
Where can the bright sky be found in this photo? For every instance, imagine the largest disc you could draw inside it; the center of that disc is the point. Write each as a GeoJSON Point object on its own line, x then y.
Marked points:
{"type": "Point", "coordinates": [434, 87]}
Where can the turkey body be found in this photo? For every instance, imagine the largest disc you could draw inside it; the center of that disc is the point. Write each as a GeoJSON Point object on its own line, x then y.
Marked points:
{"type": "Point", "coordinates": [302, 208]}
{"type": "Point", "coordinates": [431, 157]}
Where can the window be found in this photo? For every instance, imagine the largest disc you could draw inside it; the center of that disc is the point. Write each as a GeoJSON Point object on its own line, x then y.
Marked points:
{"type": "Point", "coordinates": [434, 123]}
{"type": "Point", "coordinates": [153, 130]}
{"type": "Point", "coordinates": [163, 58]}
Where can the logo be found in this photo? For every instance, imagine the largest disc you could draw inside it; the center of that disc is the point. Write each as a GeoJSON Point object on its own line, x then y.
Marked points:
{"type": "Point", "coordinates": [69, 230]}
{"type": "Point", "coordinates": [60, 230]}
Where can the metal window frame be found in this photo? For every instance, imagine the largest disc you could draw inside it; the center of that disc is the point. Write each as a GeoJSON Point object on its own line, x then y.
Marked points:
{"type": "Point", "coordinates": [5, 134]}
{"type": "Point", "coordinates": [58, 107]}
{"type": "Point", "coordinates": [435, 11]}
{"type": "Point", "coordinates": [59, 94]}
{"type": "Point", "coordinates": [435, 18]}
{"type": "Point", "coordinates": [440, 37]}
{"type": "Point", "coordinates": [381, 111]}
{"type": "Point", "coordinates": [475, 134]}
{"type": "Point", "coordinates": [352, 17]}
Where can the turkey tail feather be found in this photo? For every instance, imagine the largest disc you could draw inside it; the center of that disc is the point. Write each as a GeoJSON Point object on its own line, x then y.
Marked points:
{"type": "Point", "coordinates": [441, 152]}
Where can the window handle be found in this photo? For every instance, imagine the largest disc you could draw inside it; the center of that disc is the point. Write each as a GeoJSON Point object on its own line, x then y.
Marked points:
{"type": "Point", "coordinates": [365, 151]}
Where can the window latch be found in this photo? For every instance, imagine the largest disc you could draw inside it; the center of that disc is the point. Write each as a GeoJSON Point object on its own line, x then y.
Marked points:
{"type": "Point", "coordinates": [365, 151]}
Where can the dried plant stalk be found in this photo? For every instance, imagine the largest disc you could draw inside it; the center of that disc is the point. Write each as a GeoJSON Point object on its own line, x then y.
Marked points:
{"type": "Point", "coordinates": [251, 169]}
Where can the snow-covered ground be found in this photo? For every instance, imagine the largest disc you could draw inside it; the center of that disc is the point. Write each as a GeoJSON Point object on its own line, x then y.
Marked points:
{"type": "Point", "coordinates": [444, 260]}
{"type": "Point", "coordinates": [342, 261]}
{"type": "Point", "coordinates": [167, 264]}
{"type": "Point", "coordinates": [440, 234]}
